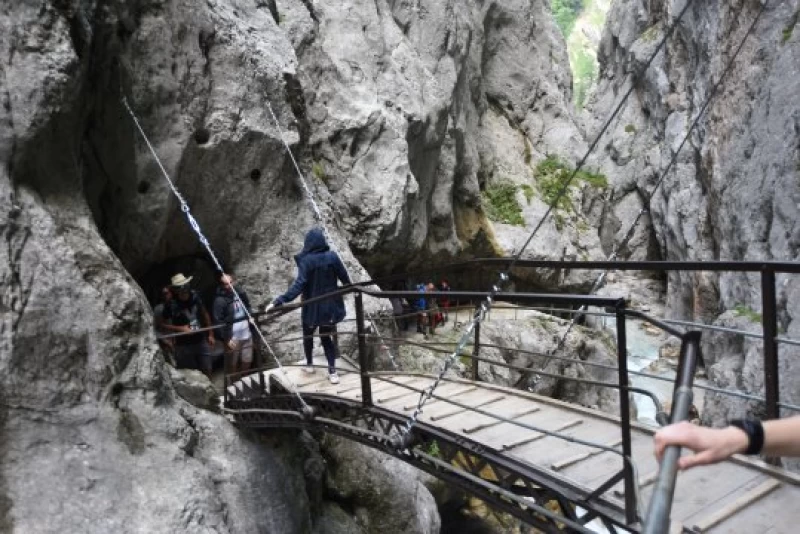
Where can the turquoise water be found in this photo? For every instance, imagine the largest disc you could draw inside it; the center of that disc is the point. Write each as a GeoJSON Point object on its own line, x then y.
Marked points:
{"type": "Point", "coordinates": [642, 351]}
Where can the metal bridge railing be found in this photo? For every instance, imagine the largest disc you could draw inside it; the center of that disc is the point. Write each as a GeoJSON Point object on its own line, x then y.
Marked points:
{"type": "Point", "coordinates": [658, 512]}
{"type": "Point", "coordinates": [622, 385]}
{"type": "Point", "coordinates": [689, 350]}
{"type": "Point", "coordinates": [767, 271]}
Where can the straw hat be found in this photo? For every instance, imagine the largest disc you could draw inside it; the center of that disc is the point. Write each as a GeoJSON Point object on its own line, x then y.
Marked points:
{"type": "Point", "coordinates": [179, 280]}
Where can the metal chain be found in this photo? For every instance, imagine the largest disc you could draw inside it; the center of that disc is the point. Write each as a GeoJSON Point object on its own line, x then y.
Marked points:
{"type": "Point", "coordinates": [598, 283]}
{"type": "Point", "coordinates": [318, 214]}
{"type": "Point", "coordinates": [503, 277]}
{"type": "Point", "coordinates": [480, 314]}
{"type": "Point", "coordinates": [202, 238]}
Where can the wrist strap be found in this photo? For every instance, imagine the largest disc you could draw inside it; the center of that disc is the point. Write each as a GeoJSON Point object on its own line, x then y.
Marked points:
{"type": "Point", "coordinates": [754, 431]}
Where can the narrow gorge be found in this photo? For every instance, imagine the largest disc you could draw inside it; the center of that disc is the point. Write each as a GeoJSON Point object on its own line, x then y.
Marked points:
{"type": "Point", "coordinates": [428, 132]}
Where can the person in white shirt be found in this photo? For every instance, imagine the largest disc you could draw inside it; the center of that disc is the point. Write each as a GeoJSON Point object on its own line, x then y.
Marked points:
{"type": "Point", "coordinates": [234, 331]}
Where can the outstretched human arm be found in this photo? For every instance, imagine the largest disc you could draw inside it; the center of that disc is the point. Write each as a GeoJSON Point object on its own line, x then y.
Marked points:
{"type": "Point", "coordinates": [711, 445]}
{"type": "Point", "coordinates": [295, 289]}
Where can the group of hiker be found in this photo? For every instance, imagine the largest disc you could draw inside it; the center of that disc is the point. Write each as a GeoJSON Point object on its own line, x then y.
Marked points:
{"type": "Point", "coordinates": [181, 312]}
{"type": "Point", "coordinates": [191, 336]}
{"type": "Point", "coordinates": [429, 311]}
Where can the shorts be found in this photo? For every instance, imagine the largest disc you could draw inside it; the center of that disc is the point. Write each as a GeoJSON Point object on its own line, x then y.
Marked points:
{"type": "Point", "coordinates": [243, 352]}
{"type": "Point", "coordinates": [194, 356]}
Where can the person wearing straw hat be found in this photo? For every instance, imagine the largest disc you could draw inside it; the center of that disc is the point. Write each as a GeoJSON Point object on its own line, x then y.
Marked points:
{"type": "Point", "coordinates": [185, 314]}
{"type": "Point", "coordinates": [318, 271]}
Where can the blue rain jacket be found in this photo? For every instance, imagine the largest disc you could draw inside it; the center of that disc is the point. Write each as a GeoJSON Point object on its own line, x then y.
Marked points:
{"type": "Point", "coordinates": [318, 269]}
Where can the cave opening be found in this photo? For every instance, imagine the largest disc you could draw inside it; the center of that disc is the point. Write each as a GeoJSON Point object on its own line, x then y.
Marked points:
{"type": "Point", "coordinates": [198, 266]}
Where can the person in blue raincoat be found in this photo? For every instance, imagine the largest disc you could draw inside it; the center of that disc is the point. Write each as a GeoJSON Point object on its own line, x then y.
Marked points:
{"type": "Point", "coordinates": [318, 271]}
{"type": "Point", "coordinates": [422, 307]}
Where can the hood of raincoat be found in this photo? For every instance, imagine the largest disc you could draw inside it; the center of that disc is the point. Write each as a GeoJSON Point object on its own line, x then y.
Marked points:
{"type": "Point", "coordinates": [313, 244]}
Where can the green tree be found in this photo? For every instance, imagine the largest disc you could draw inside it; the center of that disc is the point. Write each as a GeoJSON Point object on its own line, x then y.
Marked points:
{"type": "Point", "coordinates": [584, 74]}
{"type": "Point", "coordinates": [566, 12]}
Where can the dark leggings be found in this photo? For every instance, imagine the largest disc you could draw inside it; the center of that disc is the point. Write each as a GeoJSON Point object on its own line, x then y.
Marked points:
{"type": "Point", "coordinates": [327, 344]}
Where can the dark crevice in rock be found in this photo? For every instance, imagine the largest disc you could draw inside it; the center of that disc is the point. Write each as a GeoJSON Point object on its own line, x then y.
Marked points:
{"type": "Point", "coordinates": [310, 7]}
{"type": "Point", "coordinates": [17, 234]}
{"type": "Point", "coordinates": [114, 394]}
{"type": "Point", "coordinates": [313, 469]}
{"type": "Point", "coordinates": [297, 102]}
{"type": "Point", "coordinates": [131, 432]}
{"type": "Point", "coordinates": [205, 40]}
{"type": "Point", "coordinates": [13, 149]}
{"type": "Point", "coordinates": [457, 518]}
{"type": "Point", "coordinates": [154, 276]}
{"type": "Point", "coordinates": [80, 31]}
{"type": "Point", "coordinates": [273, 9]}
{"type": "Point", "coordinates": [6, 522]}
{"type": "Point", "coordinates": [192, 440]}
{"type": "Point", "coordinates": [202, 136]}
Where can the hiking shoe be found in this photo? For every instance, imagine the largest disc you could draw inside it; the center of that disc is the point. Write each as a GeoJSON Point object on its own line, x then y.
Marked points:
{"type": "Point", "coordinates": [309, 369]}
{"type": "Point", "coordinates": [333, 377]}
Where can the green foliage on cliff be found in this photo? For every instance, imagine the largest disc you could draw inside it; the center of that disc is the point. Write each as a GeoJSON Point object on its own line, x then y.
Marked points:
{"type": "Point", "coordinates": [740, 310]}
{"type": "Point", "coordinates": [787, 32]}
{"type": "Point", "coordinates": [551, 175]}
{"type": "Point", "coordinates": [319, 172]}
{"type": "Point", "coordinates": [501, 205]}
{"type": "Point", "coordinates": [433, 450]}
{"type": "Point", "coordinates": [527, 191]}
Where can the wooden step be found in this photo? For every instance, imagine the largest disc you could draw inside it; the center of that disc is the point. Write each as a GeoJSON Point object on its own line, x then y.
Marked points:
{"type": "Point", "coordinates": [484, 426]}
{"type": "Point", "coordinates": [718, 516]}
{"type": "Point", "coordinates": [538, 436]}
{"type": "Point", "coordinates": [459, 409]}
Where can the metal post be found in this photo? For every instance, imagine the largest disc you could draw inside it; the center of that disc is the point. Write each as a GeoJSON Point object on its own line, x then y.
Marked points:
{"type": "Point", "coordinates": [366, 385]}
{"type": "Point", "coordinates": [625, 414]}
{"type": "Point", "coordinates": [770, 329]}
{"type": "Point", "coordinates": [661, 501]}
{"type": "Point", "coordinates": [476, 350]}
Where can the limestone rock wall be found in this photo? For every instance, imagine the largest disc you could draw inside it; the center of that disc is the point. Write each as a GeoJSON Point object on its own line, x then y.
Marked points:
{"type": "Point", "coordinates": [413, 108]}
{"type": "Point", "coordinates": [398, 113]}
{"type": "Point", "coordinates": [733, 194]}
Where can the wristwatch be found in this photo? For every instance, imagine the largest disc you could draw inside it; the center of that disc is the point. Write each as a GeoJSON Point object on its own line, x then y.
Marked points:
{"type": "Point", "coordinates": [754, 431]}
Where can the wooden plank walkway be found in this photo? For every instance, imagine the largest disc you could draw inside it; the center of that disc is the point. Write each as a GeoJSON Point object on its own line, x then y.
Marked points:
{"type": "Point", "coordinates": [741, 495]}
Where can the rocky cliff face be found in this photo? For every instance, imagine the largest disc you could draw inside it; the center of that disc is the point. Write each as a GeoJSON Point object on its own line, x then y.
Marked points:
{"type": "Point", "coordinates": [400, 113]}
{"type": "Point", "coordinates": [404, 116]}
{"type": "Point", "coordinates": [733, 194]}
{"type": "Point", "coordinates": [413, 108]}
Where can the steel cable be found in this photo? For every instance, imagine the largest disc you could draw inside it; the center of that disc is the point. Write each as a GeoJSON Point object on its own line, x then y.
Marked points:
{"type": "Point", "coordinates": [204, 241]}
{"type": "Point", "coordinates": [503, 277]}
{"type": "Point", "coordinates": [317, 211]}
{"type": "Point", "coordinates": [629, 234]}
